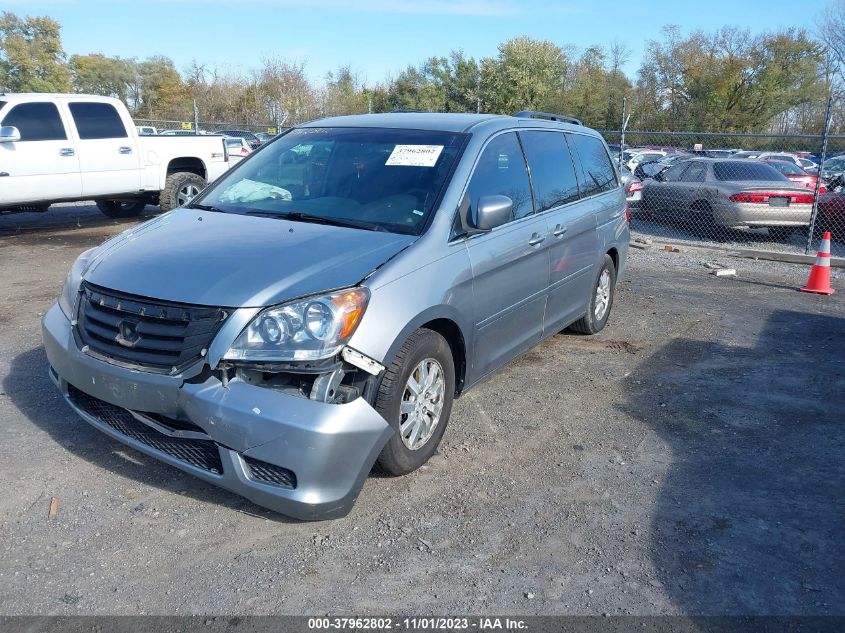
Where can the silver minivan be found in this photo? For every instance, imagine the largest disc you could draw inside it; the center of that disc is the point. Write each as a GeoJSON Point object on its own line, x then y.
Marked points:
{"type": "Point", "coordinates": [316, 310]}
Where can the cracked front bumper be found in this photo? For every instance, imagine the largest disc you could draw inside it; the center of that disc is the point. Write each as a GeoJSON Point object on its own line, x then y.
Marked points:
{"type": "Point", "coordinates": [329, 447]}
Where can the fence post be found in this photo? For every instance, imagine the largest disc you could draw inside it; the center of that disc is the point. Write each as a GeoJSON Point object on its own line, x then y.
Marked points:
{"type": "Point", "coordinates": [622, 134]}
{"type": "Point", "coordinates": [196, 118]}
{"type": "Point", "coordinates": [825, 134]}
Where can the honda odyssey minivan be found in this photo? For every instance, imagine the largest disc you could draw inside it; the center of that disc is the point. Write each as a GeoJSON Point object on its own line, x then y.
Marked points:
{"type": "Point", "coordinates": [317, 309]}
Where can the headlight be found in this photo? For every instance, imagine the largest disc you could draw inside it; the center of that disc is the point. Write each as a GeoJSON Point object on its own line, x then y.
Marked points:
{"type": "Point", "coordinates": [70, 291]}
{"type": "Point", "coordinates": [308, 329]}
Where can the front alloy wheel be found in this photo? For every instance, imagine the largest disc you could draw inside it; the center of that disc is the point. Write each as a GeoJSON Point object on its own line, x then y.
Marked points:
{"type": "Point", "coordinates": [422, 404]}
{"type": "Point", "coordinates": [415, 398]}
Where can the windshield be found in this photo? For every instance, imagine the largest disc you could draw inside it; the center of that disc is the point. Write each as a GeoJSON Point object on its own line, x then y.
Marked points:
{"type": "Point", "coordinates": [377, 178]}
{"type": "Point", "coordinates": [745, 170]}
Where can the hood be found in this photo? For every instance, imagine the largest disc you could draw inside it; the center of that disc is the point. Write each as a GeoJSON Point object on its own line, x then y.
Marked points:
{"type": "Point", "coordinates": [229, 260]}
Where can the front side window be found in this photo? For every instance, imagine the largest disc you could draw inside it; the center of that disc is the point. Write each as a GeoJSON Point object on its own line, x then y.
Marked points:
{"type": "Point", "coordinates": [552, 171]}
{"type": "Point", "coordinates": [596, 169]}
{"type": "Point", "coordinates": [97, 121]}
{"type": "Point", "coordinates": [369, 178]}
{"type": "Point", "coordinates": [501, 171]}
{"type": "Point", "coordinates": [675, 173]}
{"type": "Point", "coordinates": [696, 172]}
{"type": "Point", "coordinates": [36, 122]}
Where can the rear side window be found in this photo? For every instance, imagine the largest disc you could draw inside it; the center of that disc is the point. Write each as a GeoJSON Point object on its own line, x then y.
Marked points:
{"type": "Point", "coordinates": [596, 170]}
{"type": "Point", "coordinates": [36, 122]}
{"type": "Point", "coordinates": [97, 120]}
{"type": "Point", "coordinates": [501, 171]}
{"type": "Point", "coordinates": [745, 170]}
{"type": "Point", "coordinates": [552, 171]}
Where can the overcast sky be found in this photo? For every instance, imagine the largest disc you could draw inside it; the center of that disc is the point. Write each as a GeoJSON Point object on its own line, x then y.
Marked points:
{"type": "Point", "coordinates": [379, 38]}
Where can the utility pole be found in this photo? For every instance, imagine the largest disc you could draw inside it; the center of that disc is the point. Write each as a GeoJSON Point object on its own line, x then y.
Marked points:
{"type": "Point", "coordinates": [196, 118]}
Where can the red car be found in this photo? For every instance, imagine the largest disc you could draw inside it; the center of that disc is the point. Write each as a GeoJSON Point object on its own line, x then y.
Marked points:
{"type": "Point", "coordinates": [795, 174]}
{"type": "Point", "coordinates": [831, 215]}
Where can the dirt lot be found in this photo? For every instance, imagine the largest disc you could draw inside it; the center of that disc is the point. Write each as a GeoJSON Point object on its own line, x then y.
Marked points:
{"type": "Point", "coordinates": [687, 460]}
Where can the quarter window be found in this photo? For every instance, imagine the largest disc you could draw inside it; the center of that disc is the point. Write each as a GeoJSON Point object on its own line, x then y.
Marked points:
{"type": "Point", "coordinates": [501, 171]}
{"type": "Point", "coordinates": [552, 172]}
{"type": "Point", "coordinates": [97, 120]}
{"type": "Point", "coordinates": [36, 122]}
{"type": "Point", "coordinates": [696, 172]}
{"type": "Point", "coordinates": [596, 170]}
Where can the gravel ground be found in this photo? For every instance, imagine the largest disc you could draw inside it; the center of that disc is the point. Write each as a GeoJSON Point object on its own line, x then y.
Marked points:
{"type": "Point", "coordinates": [726, 238]}
{"type": "Point", "coordinates": [687, 460]}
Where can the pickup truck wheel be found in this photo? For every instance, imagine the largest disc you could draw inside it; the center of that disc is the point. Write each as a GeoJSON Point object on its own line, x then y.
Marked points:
{"type": "Point", "coordinates": [415, 397]}
{"type": "Point", "coordinates": [601, 300]}
{"type": "Point", "coordinates": [179, 189]}
{"type": "Point", "coordinates": [121, 208]}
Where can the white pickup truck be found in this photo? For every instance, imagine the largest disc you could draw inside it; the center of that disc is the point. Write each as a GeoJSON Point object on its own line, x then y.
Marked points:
{"type": "Point", "coordinates": [66, 147]}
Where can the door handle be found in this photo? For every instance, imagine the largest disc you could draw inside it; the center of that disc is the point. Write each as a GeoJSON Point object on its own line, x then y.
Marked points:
{"type": "Point", "coordinates": [559, 230]}
{"type": "Point", "coordinates": [125, 150]}
{"type": "Point", "coordinates": [66, 151]}
{"type": "Point", "coordinates": [536, 239]}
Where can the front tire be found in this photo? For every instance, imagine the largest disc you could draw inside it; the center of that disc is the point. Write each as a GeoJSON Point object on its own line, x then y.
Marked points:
{"type": "Point", "coordinates": [179, 189]}
{"type": "Point", "coordinates": [415, 397]}
{"type": "Point", "coordinates": [601, 300]}
{"type": "Point", "coordinates": [116, 209]}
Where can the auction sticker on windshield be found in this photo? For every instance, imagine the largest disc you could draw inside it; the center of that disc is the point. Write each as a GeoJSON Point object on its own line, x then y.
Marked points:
{"type": "Point", "coordinates": [414, 155]}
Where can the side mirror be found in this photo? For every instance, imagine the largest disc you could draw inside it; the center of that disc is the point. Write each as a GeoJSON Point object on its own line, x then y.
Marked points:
{"type": "Point", "coordinates": [9, 134]}
{"type": "Point", "coordinates": [492, 211]}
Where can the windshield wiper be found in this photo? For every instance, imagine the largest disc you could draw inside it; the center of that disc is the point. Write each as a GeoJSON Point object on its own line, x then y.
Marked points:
{"type": "Point", "coordinates": [298, 216]}
{"type": "Point", "coordinates": [205, 207]}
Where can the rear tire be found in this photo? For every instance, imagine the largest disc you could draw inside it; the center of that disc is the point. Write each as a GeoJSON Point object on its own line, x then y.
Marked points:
{"type": "Point", "coordinates": [121, 208]}
{"type": "Point", "coordinates": [601, 300]}
{"type": "Point", "coordinates": [179, 189]}
{"type": "Point", "coordinates": [406, 408]}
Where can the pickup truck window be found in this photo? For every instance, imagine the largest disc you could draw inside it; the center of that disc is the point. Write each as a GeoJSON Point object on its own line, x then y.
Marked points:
{"type": "Point", "coordinates": [36, 122]}
{"type": "Point", "coordinates": [97, 120]}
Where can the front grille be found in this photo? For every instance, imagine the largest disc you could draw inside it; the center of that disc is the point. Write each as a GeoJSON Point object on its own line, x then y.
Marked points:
{"type": "Point", "coordinates": [270, 473]}
{"type": "Point", "coordinates": [200, 453]}
{"type": "Point", "coordinates": [157, 335]}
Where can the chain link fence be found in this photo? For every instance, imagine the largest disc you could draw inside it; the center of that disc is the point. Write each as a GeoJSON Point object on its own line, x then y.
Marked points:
{"type": "Point", "coordinates": [762, 191]}
{"type": "Point", "coordinates": [158, 127]}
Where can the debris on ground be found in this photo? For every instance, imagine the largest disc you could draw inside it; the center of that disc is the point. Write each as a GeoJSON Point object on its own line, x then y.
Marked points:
{"type": "Point", "coordinates": [724, 272]}
{"type": "Point", "coordinates": [54, 509]}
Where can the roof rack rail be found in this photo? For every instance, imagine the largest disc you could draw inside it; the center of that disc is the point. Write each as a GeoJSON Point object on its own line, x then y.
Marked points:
{"type": "Point", "coordinates": [548, 116]}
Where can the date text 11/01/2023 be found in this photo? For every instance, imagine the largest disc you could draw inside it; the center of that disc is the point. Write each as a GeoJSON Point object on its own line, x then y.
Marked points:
{"type": "Point", "coordinates": [418, 624]}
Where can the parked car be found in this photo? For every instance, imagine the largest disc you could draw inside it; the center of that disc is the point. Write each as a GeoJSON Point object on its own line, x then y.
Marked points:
{"type": "Point", "coordinates": [832, 168]}
{"type": "Point", "coordinates": [644, 157]}
{"type": "Point", "coordinates": [58, 148]}
{"type": "Point", "coordinates": [179, 133]}
{"type": "Point", "coordinates": [795, 174]}
{"type": "Point", "coordinates": [710, 192]}
{"type": "Point", "coordinates": [250, 137]}
{"type": "Point", "coordinates": [265, 136]}
{"type": "Point", "coordinates": [719, 153]}
{"type": "Point", "coordinates": [784, 156]}
{"type": "Point", "coordinates": [747, 154]}
{"type": "Point", "coordinates": [831, 216]}
{"type": "Point", "coordinates": [237, 149]}
{"type": "Point", "coordinates": [302, 319]}
{"type": "Point", "coordinates": [146, 130]}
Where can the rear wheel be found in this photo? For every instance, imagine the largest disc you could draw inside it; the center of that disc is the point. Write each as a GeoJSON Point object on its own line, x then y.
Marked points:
{"type": "Point", "coordinates": [179, 189]}
{"type": "Point", "coordinates": [121, 208]}
{"type": "Point", "coordinates": [415, 397]}
{"type": "Point", "coordinates": [601, 300]}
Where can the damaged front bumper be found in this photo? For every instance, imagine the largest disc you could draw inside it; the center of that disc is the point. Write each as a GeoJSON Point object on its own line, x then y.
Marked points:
{"type": "Point", "coordinates": [303, 458]}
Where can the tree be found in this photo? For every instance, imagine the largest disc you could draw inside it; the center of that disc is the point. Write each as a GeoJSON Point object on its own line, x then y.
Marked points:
{"type": "Point", "coordinates": [101, 75]}
{"type": "Point", "coordinates": [157, 90]}
{"type": "Point", "coordinates": [526, 74]}
{"type": "Point", "coordinates": [31, 55]}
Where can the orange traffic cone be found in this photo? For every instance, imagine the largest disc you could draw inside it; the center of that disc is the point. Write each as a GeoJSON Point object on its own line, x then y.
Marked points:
{"type": "Point", "coordinates": [819, 281]}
